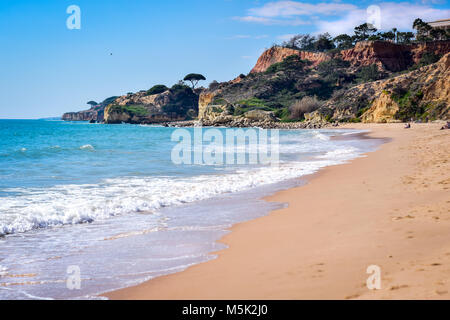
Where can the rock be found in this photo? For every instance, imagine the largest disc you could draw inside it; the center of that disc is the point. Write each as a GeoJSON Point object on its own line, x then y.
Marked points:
{"type": "Point", "coordinates": [375, 98]}
{"type": "Point", "coordinates": [87, 115]}
{"type": "Point", "coordinates": [260, 115]}
{"type": "Point", "coordinates": [319, 116]}
{"type": "Point", "coordinates": [383, 110]}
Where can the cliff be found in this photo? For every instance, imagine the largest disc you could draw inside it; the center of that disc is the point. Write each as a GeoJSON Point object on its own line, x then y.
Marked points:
{"type": "Point", "coordinates": [419, 94]}
{"type": "Point", "coordinates": [345, 88]}
{"type": "Point", "coordinates": [278, 54]}
{"type": "Point", "coordinates": [390, 56]}
{"type": "Point", "coordinates": [387, 56]}
{"type": "Point", "coordinates": [175, 104]}
{"type": "Point", "coordinates": [86, 115]}
{"type": "Point", "coordinates": [96, 113]}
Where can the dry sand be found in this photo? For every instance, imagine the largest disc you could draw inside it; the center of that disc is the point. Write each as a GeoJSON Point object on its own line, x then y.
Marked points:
{"type": "Point", "coordinates": [389, 209]}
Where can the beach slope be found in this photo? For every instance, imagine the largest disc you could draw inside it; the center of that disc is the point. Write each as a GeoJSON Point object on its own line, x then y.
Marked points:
{"type": "Point", "coordinates": [389, 209]}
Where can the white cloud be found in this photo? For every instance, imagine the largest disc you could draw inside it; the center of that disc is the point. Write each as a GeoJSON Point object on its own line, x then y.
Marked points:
{"type": "Point", "coordinates": [393, 15]}
{"type": "Point", "coordinates": [294, 8]}
{"type": "Point", "coordinates": [268, 21]}
{"type": "Point", "coordinates": [337, 18]}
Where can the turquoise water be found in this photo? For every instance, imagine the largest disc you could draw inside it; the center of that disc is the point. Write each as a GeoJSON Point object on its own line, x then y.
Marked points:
{"type": "Point", "coordinates": [109, 199]}
{"type": "Point", "coordinates": [48, 153]}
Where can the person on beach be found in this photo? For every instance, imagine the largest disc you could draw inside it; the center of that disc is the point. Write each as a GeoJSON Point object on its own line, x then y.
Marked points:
{"type": "Point", "coordinates": [408, 126]}
{"type": "Point", "coordinates": [446, 126]}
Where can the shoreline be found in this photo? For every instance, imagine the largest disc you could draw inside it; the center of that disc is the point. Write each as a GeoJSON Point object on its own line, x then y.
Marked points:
{"type": "Point", "coordinates": [321, 250]}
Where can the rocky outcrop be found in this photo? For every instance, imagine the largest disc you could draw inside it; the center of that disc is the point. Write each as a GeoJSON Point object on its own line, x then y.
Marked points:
{"type": "Point", "coordinates": [382, 110]}
{"type": "Point", "coordinates": [278, 54]}
{"type": "Point", "coordinates": [176, 104]}
{"type": "Point", "coordinates": [155, 102]}
{"type": "Point", "coordinates": [87, 115]}
{"type": "Point", "coordinates": [426, 89]}
{"type": "Point", "coordinates": [204, 100]}
{"type": "Point", "coordinates": [94, 114]}
{"type": "Point", "coordinates": [260, 115]}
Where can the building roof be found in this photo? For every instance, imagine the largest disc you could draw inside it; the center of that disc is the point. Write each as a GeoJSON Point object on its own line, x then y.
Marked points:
{"type": "Point", "coordinates": [440, 23]}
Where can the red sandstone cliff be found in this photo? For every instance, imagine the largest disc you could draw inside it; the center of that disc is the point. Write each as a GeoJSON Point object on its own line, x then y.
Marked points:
{"type": "Point", "coordinates": [390, 56]}
{"type": "Point", "coordinates": [386, 55]}
{"type": "Point", "coordinates": [278, 54]}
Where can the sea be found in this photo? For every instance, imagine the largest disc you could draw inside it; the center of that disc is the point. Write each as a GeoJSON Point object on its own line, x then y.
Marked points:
{"type": "Point", "coordinates": [89, 208]}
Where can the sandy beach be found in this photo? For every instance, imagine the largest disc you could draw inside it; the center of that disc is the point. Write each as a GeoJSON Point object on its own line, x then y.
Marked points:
{"type": "Point", "coordinates": [390, 209]}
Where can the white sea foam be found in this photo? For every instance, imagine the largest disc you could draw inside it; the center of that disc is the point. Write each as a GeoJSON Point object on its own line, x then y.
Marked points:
{"type": "Point", "coordinates": [74, 204]}
{"type": "Point", "coordinates": [321, 136]}
{"type": "Point", "coordinates": [87, 147]}
{"type": "Point", "coordinates": [3, 271]}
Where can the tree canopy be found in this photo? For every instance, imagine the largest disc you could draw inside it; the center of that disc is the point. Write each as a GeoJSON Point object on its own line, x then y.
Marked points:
{"type": "Point", "coordinates": [364, 31]}
{"type": "Point", "coordinates": [92, 103]}
{"type": "Point", "coordinates": [159, 88]}
{"type": "Point", "coordinates": [194, 78]}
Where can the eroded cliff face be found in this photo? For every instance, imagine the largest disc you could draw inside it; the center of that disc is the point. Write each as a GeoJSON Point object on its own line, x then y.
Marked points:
{"type": "Point", "coordinates": [278, 54]}
{"type": "Point", "coordinates": [204, 100]}
{"type": "Point", "coordinates": [390, 56]}
{"type": "Point", "coordinates": [152, 104]}
{"type": "Point", "coordinates": [86, 115]}
{"type": "Point", "coordinates": [175, 104]}
{"type": "Point", "coordinates": [386, 55]}
{"type": "Point", "coordinates": [382, 110]}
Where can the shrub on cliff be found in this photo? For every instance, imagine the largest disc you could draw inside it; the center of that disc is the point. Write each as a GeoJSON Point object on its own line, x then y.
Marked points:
{"type": "Point", "coordinates": [306, 105]}
{"type": "Point", "coordinates": [159, 88]}
{"type": "Point", "coordinates": [409, 103]}
{"type": "Point", "coordinates": [213, 85]}
{"type": "Point", "coordinates": [369, 73]}
{"type": "Point", "coordinates": [108, 101]}
{"type": "Point", "coordinates": [288, 65]}
{"type": "Point", "coordinates": [132, 110]}
{"type": "Point", "coordinates": [428, 58]}
{"type": "Point", "coordinates": [334, 71]}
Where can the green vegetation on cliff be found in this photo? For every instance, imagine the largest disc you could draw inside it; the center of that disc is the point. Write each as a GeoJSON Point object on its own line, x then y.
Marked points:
{"type": "Point", "coordinates": [159, 88]}
{"type": "Point", "coordinates": [132, 110]}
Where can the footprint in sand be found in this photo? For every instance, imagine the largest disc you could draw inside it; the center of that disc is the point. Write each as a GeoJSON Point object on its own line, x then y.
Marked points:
{"type": "Point", "coordinates": [399, 287]}
{"type": "Point", "coordinates": [441, 292]}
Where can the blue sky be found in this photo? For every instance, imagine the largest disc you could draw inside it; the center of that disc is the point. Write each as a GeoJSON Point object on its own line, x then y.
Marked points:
{"type": "Point", "coordinates": [47, 69]}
